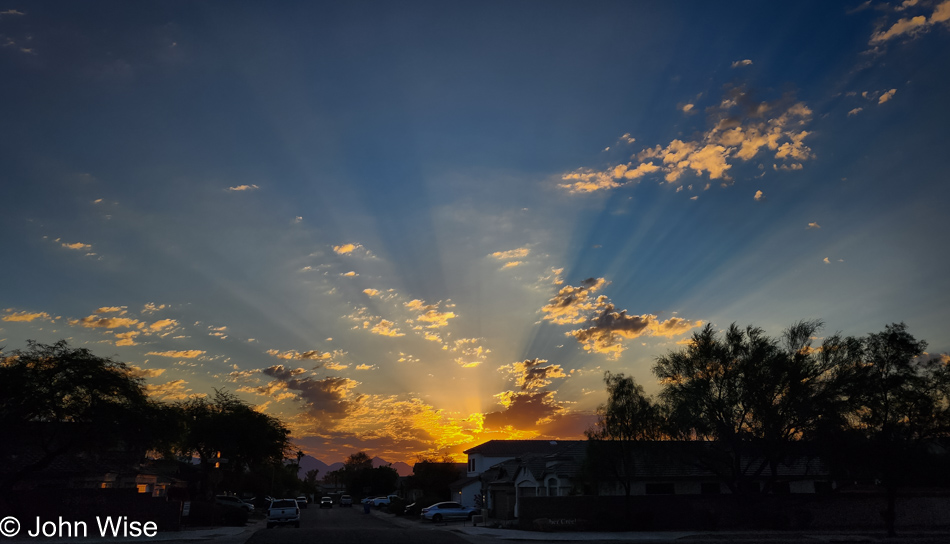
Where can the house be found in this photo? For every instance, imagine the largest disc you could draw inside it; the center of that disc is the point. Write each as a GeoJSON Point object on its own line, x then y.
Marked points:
{"type": "Point", "coordinates": [502, 472]}
{"type": "Point", "coordinates": [499, 471]}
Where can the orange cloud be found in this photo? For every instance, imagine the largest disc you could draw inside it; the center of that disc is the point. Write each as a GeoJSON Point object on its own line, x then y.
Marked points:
{"type": "Point", "coordinates": [25, 316]}
{"type": "Point", "coordinates": [185, 354]}
{"type": "Point", "coordinates": [744, 128]}
{"type": "Point", "coordinates": [519, 253]}
{"type": "Point", "coordinates": [610, 329]}
{"type": "Point", "coordinates": [572, 305]}
{"type": "Point", "coordinates": [93, 322]}
{"type": "Point", "coordinates": [431, 314]}
{"type": "Point", "coordinates": [346, 248]}
{"type": "Point", "coordinates": [312, 355]}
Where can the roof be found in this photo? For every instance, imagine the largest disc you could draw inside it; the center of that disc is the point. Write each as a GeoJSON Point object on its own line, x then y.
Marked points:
{"type": "Point", "coordinates": [515, 448]}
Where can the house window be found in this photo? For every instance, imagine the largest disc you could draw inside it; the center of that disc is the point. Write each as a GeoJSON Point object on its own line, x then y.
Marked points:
{"type": "Point", "coordinates": [528, 491]}
{"type": "Point", "coordinates": [660, 489]}
{"type": "Point", "coordinates": [552, 487]}
{"type": "Point", "coordinates": [471, 464]}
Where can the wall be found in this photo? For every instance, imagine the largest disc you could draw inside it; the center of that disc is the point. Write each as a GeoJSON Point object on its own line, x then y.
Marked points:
{"type": "Point", "coordinates": [731, 512]}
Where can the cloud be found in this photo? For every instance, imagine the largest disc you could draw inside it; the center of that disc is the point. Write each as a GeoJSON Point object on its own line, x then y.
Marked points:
{"type": "Point", "coordinates": [109, 309]}
{"type": "Point", "coordinates": [346, 249]}
{"type": "Point", "coordinates": [530, 374]}
{"type": "Point", "coordinates": [312, 355]}
{"type": "Point", "coordinates": [384, 328]}
{"type": "Point", "coordinates": [126, 338]}
{"type": "Point", "coordinates": [742, 128]}
{"type": "Point", "coordinates": [759, 196]}
{"type": "Point", "coordinates": [610, 328]}
{"type": "Point", "coordinates": [813, 225]}
{"type": "Point", "coordinates": [826, 261]}
{"type": "Point", "coordinates": [244, 188]}
{"type": "Point", "coordinates": [327, 398]}
{"type": "Point", "coordinates": [513, 264]}
{"type": "Point", "coordinates": [163, 324]}
{"type": "Point", "coordinates": [913, 26]}
{"type": "Point", "coordinates": [170, 391]}
{"type": "Point", "coordinates": [523, 410]}
{"type": "Point", "coordinates": [572, 304]}
{"type": "Point", "coordinates": [140, 372]}
{"type": "Point", "coordinates": [25, 316]}
{"type": "Point", "coordinates": [687, 108]}
{"type": "Point", "coordinates": [371, 292]}
{"type": "Point", "coordinates": [855, 111]}
{"type": "Point", "coordinates": [151, 307]}
{"type": "Point", "coordinates": [184, 354]}
{"type": "Point", "coordinates": [76, 246]}
{"type": "Point", "coordinates": [431, 316]}
{"type": "Point", "coordinates": [909, 27]}
{"type": "Point", "coordinates": [349, 274]}
{"type": "Point", "coordinates": [887, 96]}
{"type": "Point", "coordinates": [738, 63]}
{"type": "Point", "coordinates": [589, 181]}
{"type": "Point", "coordinates": [93, 322]}
{"type": "Point", "coordinates": [519, 253]}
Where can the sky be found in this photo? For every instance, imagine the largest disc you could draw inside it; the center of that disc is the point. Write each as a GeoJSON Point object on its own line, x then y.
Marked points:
{"type": "Point", "coordinates": [407, 228]}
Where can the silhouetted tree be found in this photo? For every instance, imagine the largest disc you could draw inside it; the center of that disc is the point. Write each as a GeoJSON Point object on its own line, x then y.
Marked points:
{"type": "Point", "coordinates": [433, 476]}
{"type": "Point", "coordinates": [629, 416]}
{"type": "Point", "coordinates": [362, 479]}
{"type": "Point", "coordinates": [750, 398]}
{"type": "Point", "coordinates": [899, 400]}
{"type": "Point", "coordinates": [228, 435]}
{"type": "Point", "coordinates": [56, 400]}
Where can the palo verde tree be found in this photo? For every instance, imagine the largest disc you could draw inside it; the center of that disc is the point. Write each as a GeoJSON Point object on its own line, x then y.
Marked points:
{"type": "Point", "coordinates": [749, 399]}
{"type": "Point", "coordinates": [629, 416]}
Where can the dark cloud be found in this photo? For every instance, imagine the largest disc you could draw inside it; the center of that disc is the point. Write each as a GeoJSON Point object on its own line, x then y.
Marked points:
{"type": "Point", "coordinates": [323, 398]}
{"type": "Point", "coordinates": [525, 411]}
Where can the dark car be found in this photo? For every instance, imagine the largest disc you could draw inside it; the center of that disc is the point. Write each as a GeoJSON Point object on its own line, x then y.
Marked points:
{"type": "Point", "coordinates": [326, 502]}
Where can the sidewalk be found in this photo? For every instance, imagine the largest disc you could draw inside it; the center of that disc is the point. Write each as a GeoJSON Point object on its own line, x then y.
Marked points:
{"type": "Point", "coordinates": [162, 536]}
{"type": "Point", "coordinates": [665, 537]}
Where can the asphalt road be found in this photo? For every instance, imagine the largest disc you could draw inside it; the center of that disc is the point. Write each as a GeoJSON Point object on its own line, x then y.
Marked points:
{"type": "Point", "coordinates": [351, 526]}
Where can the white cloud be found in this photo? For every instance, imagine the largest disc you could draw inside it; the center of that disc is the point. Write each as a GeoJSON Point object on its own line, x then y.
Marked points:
{"type": "Point", "coordinates": [739, 63]}
{"type": "Point", "coordinates": [244, 188]}
{"type": "Point", "coordinates": [887, 96]}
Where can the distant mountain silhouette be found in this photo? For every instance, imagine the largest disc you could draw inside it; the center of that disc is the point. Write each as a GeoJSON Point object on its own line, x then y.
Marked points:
{"type": "Point", "coordinates": [308, 463]}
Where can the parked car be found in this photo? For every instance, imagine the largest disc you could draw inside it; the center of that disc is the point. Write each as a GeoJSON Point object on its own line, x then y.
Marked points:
{"type": "Point", "coordinates": [346, 500]}
{"type": "Point", "coordinates": [326, 502]}
{"type": "Point", "coordinates": [302, 501]}
{"type": "Point", "coordinates": [383, 501]}
{"type": "Point", "coordinates": [231, 500]}
{"type": "Point", "coordinates": [448, 510]}
{"type": "Point", "coordinates": [283, 512]}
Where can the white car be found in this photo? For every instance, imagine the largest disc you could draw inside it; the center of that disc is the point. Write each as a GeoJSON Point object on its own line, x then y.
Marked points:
{"type": "Point", "coordinates": [448, 510]}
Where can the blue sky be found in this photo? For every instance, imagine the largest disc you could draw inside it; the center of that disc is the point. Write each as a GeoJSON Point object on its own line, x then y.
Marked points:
{"type": "Point", "coordinates": [406, 228]}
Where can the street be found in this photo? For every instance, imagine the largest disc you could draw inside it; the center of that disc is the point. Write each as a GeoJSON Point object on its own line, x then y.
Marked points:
{"type": "Point", "coordinates": [351, 526]}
